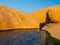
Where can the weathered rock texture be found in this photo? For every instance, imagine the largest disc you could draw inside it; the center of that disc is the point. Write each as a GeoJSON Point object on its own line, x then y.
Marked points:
{"type": "Point", "coordinates": [11, 18]}
{"type": "Point", "coordinates": [53, 29]}
{"type": "Point", "coordinates": [54, 14]}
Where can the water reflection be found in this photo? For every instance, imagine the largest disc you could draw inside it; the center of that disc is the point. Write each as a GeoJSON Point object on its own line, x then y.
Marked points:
{"type": "Point", "coordinates": [22, 37]}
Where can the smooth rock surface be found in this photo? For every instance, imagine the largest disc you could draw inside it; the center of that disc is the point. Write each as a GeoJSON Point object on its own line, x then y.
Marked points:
{"type": "Point", "coordinates": [54, 30]}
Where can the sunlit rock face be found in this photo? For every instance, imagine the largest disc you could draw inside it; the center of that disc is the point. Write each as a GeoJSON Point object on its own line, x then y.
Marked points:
{"type": "Point", "coordinates": [40, 15]}
{"type": "Point", "coordinates": [54, 14]}
{"type": "Point", "coordinates": [11, 19]}
{"type": "Point", "coordinates": [53, 29]}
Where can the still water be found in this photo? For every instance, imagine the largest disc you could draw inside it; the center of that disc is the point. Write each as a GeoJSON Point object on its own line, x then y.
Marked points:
{"type": "Point", "coordinates": [22, 37]}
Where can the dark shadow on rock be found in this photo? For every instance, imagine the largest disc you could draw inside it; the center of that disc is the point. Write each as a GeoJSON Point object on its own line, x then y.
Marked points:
{"type": "Point", "coordinates": [47, 21]}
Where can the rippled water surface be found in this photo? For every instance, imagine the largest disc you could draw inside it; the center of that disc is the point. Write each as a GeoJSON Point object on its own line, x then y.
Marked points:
{"type": "Point", "coordinates": [22, 37]}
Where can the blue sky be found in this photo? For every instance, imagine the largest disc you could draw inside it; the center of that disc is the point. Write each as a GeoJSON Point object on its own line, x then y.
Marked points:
{"type": "Point", "coordinates": [29, 5]}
